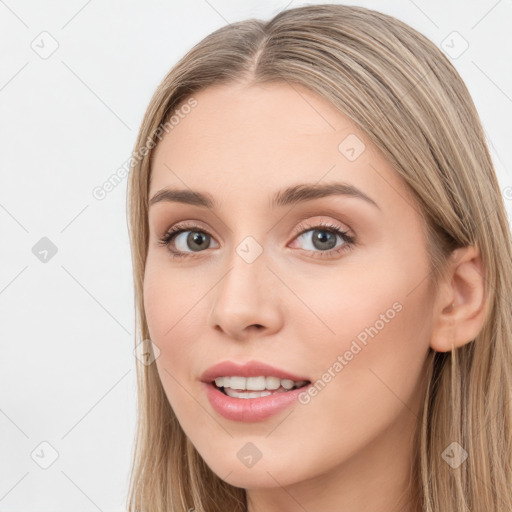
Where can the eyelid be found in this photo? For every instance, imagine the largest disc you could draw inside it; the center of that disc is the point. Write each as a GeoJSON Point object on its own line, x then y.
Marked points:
{"type": "Point", "coordinates": [192, 225]}
{"type": "Point", "coordinates": [304, 226]}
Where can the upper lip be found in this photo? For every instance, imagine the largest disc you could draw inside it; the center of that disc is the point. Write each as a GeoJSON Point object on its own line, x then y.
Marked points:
{"type": "Point", "coordinates": [250, 369]}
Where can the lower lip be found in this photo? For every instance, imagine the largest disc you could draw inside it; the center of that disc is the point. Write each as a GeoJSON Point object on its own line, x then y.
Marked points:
{"type": "Point", "coordinates": [250, 409]}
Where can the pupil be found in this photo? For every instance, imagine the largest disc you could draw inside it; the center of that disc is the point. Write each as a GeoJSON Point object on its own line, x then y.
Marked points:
{"type": "Point", "coordinates": [196, 238]}
{"type": "Point", "coordinates": [324, 237]}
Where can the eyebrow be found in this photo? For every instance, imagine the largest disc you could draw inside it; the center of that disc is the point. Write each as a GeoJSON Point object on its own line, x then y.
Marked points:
{"type": "Point", "coordinates": [289, 196]}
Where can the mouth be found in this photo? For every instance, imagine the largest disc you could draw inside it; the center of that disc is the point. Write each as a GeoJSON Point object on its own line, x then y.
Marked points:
{"type": "Point", "coordinates": [234, 390]}
{"type": "Point", "coordinates": [252, 399]}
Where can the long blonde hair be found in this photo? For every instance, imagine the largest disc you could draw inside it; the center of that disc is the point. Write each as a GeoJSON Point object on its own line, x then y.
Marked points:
{"type": "Point", "coordinates": [402, 91]}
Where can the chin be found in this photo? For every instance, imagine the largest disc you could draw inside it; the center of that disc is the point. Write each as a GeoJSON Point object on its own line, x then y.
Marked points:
{"type": "Point", "coordinates": [255, 479]}
{"type": "Point", "coordinates": [264, 474]}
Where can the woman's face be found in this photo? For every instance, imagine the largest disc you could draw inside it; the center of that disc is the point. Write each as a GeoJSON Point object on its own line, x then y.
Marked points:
{"type": "Point", "coordinates": [275, 283]}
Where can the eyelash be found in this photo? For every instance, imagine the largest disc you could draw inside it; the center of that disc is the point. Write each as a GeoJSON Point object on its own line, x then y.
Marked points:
{"type": "Point", "coordinates": [349, 241]}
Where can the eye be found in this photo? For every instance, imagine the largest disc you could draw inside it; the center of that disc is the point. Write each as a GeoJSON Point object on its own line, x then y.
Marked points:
{"type": "Point", "coordinates": [183, 237]}
{"type": "Point", "coordinates": [323, 241]}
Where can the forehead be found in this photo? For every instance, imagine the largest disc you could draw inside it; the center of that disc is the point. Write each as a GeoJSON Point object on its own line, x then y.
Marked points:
{"type": "Point", "coordinates": [251, 141]}
{"type": "Point", "coordinates": [261, 118]}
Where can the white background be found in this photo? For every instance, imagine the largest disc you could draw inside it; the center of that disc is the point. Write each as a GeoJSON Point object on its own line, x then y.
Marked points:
{"type": "Point", "coordinates": [67, 123]}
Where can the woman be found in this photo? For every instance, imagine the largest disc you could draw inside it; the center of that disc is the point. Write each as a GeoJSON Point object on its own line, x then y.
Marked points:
{"type": "Point", "coordinates": [322, 265]}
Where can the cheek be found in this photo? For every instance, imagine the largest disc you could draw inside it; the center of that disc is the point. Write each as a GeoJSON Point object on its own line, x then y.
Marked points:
{"type": "Point", "coordinates": [374, 317]}
{"type": "Point", "coordinates": [172, 310]}
{"type": "Point", "coordinates": [167, 297]}
{"type": "Point", "coordinates": [369, 373]}
{"type": "Point", "coordinates": [175, 314]}
{"type": "Point", "coordinates": [158, 304]}
{"type": "Point", "coordinates": [342, 304]}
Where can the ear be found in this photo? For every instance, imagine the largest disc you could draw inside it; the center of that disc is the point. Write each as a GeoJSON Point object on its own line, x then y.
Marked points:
{"type": "Point", "coordinates": [464, 287]}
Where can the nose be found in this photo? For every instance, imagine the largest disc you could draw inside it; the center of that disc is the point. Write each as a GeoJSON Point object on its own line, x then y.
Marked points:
{"type": "Point", "coordinates": [246, 301]}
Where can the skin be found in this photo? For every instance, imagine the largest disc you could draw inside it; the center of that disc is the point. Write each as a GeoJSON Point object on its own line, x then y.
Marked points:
{"type": "Point", "coordinates": [350, 447]}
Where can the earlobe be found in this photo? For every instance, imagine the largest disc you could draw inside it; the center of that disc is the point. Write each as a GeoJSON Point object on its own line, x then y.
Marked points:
{"type": "Point", "coordinates": [460, 307]}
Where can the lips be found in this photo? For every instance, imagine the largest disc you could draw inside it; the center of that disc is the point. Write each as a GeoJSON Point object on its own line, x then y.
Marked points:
{"type": "Point", "coordinates": [250, 369]}
{"type": "Point", "coordinates": [250, 409]}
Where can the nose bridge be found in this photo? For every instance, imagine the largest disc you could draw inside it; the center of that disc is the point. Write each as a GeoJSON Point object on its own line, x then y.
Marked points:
{"type": "Point", "coordinates": [244, 295]}
{"type": "Point", "coordinates": [244, 283]}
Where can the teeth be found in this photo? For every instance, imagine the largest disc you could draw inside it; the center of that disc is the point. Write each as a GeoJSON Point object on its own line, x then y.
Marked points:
{"type": "Point", "coordinates": [272, 382]}
{"type": "Point", "coordinates": [287, 383]}
{"type": "Point", "coordinates": [256, 383]}
{"type": "Point", "coordinates": [255, 394]}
